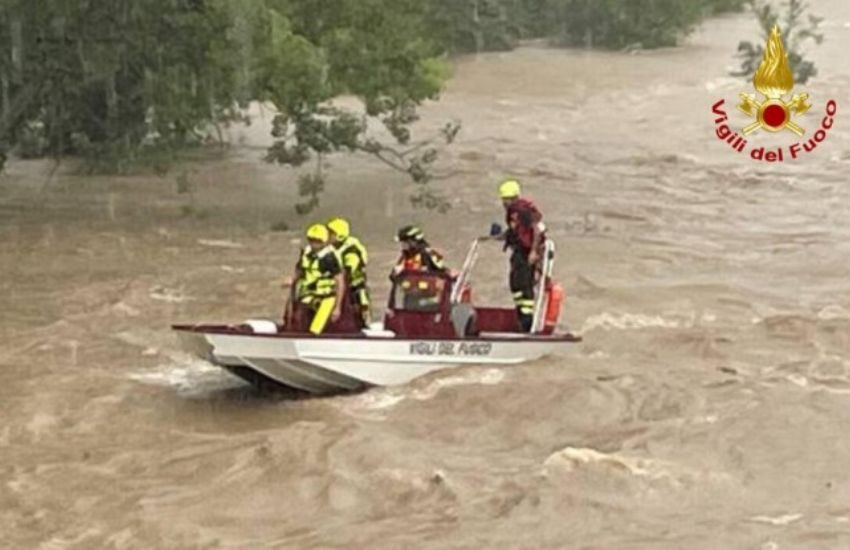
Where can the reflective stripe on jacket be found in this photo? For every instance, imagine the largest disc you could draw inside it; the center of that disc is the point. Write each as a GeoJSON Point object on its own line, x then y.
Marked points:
{"type": "Point", "coordinates": [354, 259]}
{"type": "Point", "coordinates": [427, 259]}
{"type": "Point", "coordinates": [318, 271]}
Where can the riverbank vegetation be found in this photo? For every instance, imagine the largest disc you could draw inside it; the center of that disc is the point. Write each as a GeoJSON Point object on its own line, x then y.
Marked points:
{"type": "Point", "coordinates": [799, 29]}
{"type": "Point", "coordinates": [129, 81]}
{"type": "Point", "coordinates": [479, 25]}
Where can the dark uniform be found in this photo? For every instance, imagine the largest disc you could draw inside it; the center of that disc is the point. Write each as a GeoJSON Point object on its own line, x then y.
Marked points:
{"type": "Point", "coordinates": [522, 217]}
{"type": "Point", "coordinates": [418, 256]}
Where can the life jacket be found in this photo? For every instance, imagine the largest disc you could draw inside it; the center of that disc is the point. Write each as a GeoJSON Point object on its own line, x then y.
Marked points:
{"type": "Point", "coordinates": [426, 259]}
{"type": "Point", "coordinates": [318, 273]}
{"type": "Point", "coordinates": [354, 259]}
{"type": "Point", "coordinates": [521, 219]}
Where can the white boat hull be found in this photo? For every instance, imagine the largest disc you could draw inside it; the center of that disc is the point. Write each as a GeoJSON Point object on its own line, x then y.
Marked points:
{"type": "Point", "coordinates": [327, 364]}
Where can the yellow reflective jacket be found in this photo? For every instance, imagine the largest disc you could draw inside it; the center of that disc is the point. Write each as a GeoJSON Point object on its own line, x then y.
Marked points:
{"type": "Point", "coordinates": [318, 271]}
{"type": "Point", "coordinates": [354, 259]}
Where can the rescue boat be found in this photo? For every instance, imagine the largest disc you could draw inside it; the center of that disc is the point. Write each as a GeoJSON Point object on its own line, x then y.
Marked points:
{"type": "Point", "coordinates": [430, 324]}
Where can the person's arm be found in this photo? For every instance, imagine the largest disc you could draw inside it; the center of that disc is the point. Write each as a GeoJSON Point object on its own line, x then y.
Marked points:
{"type": "Point", "coordinates": [337, 268]}
{"type": "Point", "coordinates": [537, 237]}
{"type": "Point", "coordinates": [340, 296]}
{"type": "Point", "coordinates": [534, 221]}
{"type": "Point", "coordinates": [292, 280]}
{"type": "Point", "coordinates": [351, 263]}
{"type": "Point", "coordinates": [397, 269]}
{"type": "Point", "coordinates": [364, 254]}
{"type": "Point", "coordinates": [292, 294]}
{"type": "Point", "coordinates": [297, 271]}
{"type": "Point", "coordinates": [437, 262]}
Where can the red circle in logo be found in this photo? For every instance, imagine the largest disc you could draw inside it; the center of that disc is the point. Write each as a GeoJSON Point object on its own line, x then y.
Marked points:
{"type": "Point", "coordinates": [774, 116]}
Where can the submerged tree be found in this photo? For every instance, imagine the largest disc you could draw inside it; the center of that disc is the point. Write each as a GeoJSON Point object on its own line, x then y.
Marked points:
{"type": "Point", "coordinates": [797, 29]}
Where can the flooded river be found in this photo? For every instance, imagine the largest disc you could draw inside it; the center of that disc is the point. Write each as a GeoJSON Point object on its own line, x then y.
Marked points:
{"type": "Point", "coordinates": [705, 409]}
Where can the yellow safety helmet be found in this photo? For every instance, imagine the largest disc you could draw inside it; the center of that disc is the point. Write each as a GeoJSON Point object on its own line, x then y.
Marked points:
{"type": "Point", "coordinates": [509, 189]}
{"type": "Point", "coordinates": [340, 227]}
{"type": "Point", "coordinates": [318, 232]}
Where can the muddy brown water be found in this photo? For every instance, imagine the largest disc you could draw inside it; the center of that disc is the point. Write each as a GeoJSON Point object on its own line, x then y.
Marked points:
{"type": "Point", "coordinates": [707, 407]}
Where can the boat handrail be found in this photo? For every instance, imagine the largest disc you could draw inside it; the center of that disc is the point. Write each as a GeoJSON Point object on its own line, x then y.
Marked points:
{"type": "Point", "coordinates": [465, 272]}
{"type": "Point", "coordinates": [541, 296]}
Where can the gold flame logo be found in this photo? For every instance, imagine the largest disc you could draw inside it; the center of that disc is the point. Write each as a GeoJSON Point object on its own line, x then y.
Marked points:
{"type": "Point", "coordinates": [773, 80]}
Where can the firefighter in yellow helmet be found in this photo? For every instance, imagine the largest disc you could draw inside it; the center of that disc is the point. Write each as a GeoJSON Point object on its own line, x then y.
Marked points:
{"type": "Point", "coordinates": [354, 260]}
{"type": "Point", "coordinates": [525, 235]}
{"type": "Point", "coordinates": [320, 282]}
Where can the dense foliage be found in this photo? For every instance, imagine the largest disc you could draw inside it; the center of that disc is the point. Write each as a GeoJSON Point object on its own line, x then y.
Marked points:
{"type": "Point", "coordinates": [83, 76]}
{"type": "Point", "coordinates": [116, 81]}
{"type": "Point", "coordinates": [477, 25]}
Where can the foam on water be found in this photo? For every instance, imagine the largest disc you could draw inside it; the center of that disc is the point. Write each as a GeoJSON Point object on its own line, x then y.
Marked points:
{"type": "Point", "coordinates": [374, 403]}
{"type": "Point", "coordinates": [571, 459]}
{"type": "Point", "coordinates": [487, 377]}
{"type": "Point", "coordinates": [190, 377]}
{"type": "Point", "coordinates": [583, 463]}
{"type": "Point", "coordinates": [219, 243]}
{"type": "Point", "coordinates": [832, 312]}
{"type": "Point", "coordinates": [631, 321]}
{"type": "Point", "coordinates": [168, 295]}
{"type": "Point", "coordinates": [785, 519]}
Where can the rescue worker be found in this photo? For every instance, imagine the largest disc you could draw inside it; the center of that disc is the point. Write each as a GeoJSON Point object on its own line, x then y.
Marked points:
{"type": "Point", "coordinates": [320, 282]}
{"type": "Point", "coordinates": [354, 259]}
{"type": "Point", "coordinates": [525, 236]}
{"type": "Point", "coordinates": [417, 255]}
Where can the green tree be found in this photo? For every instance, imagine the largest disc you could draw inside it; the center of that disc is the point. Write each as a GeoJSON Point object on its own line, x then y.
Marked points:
{"type": "Point", "coordinates": [617, 24]}
{"type": "Point", "coordinates": [112, 80]}
{"type": "Point", "coordinates": [481, 25]}
{"type": "Point", "coordinates": [477, 25]}
{"type": "Point", "coordinates": [376, 50]}
{"type": "Point", "coordinates": [116, 80]}
{"type": "Point", "coordinates": [102, 78]}
{"type": "Point", "coordinates": [797, 28]}
{"type": "Point", "coordinates": [721, 6]}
